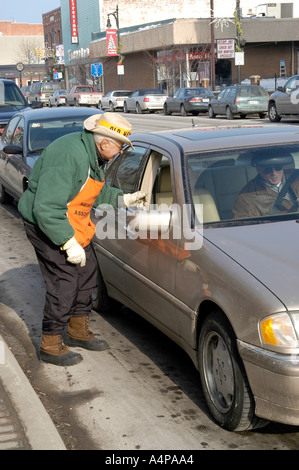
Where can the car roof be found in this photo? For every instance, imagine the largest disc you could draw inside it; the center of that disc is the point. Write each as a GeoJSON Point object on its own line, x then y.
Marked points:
{"type": "Point", "coordinates": [48, 113]}
{"type": "Point", "coordinates": [197, 139]}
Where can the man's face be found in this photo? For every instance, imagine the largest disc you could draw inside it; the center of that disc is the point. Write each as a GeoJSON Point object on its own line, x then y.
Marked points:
{"type": "Point", "coordinates": [109, 148]}
{"type": "Point", "coordinates": [271, 174]}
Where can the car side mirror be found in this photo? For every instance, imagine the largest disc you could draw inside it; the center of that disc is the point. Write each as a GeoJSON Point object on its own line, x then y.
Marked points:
{"type": "Point", "coordinates": [36, 104]}
{"type": "Point", "coordinates": [13, 149]}
{"type": "Point", "coordinates": [280, 88]}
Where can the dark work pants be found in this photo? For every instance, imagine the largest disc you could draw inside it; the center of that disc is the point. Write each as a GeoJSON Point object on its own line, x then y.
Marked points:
{"type": "Point", "coordinates": [69, 286]}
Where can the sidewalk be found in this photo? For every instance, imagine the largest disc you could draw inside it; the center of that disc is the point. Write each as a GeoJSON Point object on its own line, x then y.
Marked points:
{"type": "Point", "coordinates": [24, 422]}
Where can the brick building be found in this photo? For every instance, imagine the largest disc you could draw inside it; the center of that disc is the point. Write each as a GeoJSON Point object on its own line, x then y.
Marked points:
{"type": "Point", "coordinates": [269, 41]}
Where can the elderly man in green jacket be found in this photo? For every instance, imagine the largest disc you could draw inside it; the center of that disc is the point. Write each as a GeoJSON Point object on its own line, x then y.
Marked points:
{"type": "Point", "coordinates": [64, 185]}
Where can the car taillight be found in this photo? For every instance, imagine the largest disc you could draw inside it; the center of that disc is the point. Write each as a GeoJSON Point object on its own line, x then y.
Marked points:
{"type": "Point", "coordinates": [146, 99]}
{"type": "Point", "coordinates": [119, 99]}
{"type": "Point", "coordinates": [195, 98]}
{"type": "Point", "coordinates": [237, 100]}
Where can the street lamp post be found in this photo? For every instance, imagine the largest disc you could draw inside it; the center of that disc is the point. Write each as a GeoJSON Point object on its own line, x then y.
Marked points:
{"type": "Point", "coordinates": [116, 17]}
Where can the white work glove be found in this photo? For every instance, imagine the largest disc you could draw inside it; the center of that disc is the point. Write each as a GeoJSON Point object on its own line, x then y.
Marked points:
{"type": "Point", "coordinates": [137, 199]}
{"type": "Point", "coordinates": [75, 252]}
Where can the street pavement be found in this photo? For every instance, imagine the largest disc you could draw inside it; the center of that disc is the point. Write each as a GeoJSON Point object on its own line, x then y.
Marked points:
{"type": "Point", "coordinates": [24, 422]}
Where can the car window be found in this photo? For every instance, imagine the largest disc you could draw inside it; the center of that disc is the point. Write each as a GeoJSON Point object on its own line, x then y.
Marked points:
{"type": "Point", "coordinates": [42, 133]}
{"type": "Point", "coordinates": [293, 83]}
{"type": "Point", "coordinates": [11, 95]}
{"type": "Point", "coordinates": [241, 185]}
{"type": "Point", "coordinates": [125, 173]}
{"type": "Point", "coordinates": [123, 93]}
{"type": "Point", "coordinates": [18, 135]}
{"type": "Point", "coordinates": [8, 132]}
{"type": "Point", "coordinates": [223, 93]}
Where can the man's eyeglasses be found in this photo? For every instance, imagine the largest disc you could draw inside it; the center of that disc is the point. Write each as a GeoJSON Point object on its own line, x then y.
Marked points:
{"type": "Point", "coordinates": [268, 169]}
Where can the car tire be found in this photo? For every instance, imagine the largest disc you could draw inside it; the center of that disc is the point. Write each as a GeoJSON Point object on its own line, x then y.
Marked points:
{"type": "Point", "coordinates": [223, 378]}
{"type": "Point", "coordinates": [183, 111]}
{"type": "Point", "coordinates": [273, 115]}
{"type": "Point", "coordinates": [229, 114]}
{"type": "Point", "coordinates": [165, 110]}
{"type": "Point", "coordinates": [262, 115]}
{"type": "Point", "coordinates": [111, 107]}
{"type": "Point", "coordinates": [126, 108]}
{"type": "Point", "coordinates": [138, 109]}
{"type": "Point", "coordinates": [211, 113]}
{"type": "Point", "coordinates": [5, 198]}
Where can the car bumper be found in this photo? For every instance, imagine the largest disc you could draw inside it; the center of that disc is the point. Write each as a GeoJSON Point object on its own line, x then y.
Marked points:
{"type": "Point", "coordinates": [274, 382]}
{"type": "Point", "coordinates": [250, 109]}
{"type": "Point", "coordinates": [197, 107]}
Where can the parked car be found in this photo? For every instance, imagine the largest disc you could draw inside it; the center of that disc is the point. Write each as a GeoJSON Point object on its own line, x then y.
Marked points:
{"type": "Point", "coordinates": [189, 100]}
{"type": "Point", "coordinates": [11, 101]}
{"type": "Point", "coordinates": [145, 100]}
{"type": "Point", "coordinates": [24, 139]}
{"type": "Point", "coordinates": [41, 91]}
{"type": "Point", "coordinates": [285, 100]}
{"type": "Point", "coordinates": [225, 289]}
{"type": "Point", "coordinates": [114, 99]}
{"type": "Point", "coordinates": [240, 100]}
{"type": "Point", "coordinates": [25, 90]}
{"type": "Point", "coordinates": [83, 95]}
{"type": "Point", "coordinates": [58, 98]}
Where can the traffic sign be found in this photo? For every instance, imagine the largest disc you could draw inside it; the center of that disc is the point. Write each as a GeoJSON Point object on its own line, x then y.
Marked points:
{"type": "Point", "coordinates": [97, 69]}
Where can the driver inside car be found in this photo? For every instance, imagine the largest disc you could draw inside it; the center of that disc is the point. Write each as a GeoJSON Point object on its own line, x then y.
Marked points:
{"type": "Point", "coordinates": [274, 190]}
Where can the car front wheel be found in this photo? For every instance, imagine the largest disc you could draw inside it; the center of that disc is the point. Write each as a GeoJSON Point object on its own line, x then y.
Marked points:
{"type": "Point", "coordinates": [273, 115]}
{"type": "Point", "coordinates": [223, 377]}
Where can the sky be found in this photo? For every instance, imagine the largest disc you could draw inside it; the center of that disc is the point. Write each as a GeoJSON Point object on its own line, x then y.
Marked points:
{"type": "Point", "coordinates": [26, 11]}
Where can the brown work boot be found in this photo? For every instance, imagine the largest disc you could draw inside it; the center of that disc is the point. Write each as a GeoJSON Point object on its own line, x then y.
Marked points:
{"type": "Point", "coordinates": [53, 350]}
{"type": "Point", "coordinates": [79, 335]}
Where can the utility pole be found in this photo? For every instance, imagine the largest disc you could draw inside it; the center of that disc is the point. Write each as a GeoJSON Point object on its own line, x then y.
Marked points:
{"type": "Point", "coordinates": [238, 39]}
{"type": "Point", "coordinates": [212, 46]}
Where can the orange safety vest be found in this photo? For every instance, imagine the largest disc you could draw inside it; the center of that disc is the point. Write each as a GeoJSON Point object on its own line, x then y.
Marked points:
{"type": "Point", "coordinates": [79, 211]}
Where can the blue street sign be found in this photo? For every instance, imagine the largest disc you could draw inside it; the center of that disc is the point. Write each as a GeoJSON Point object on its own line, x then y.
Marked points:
{"type": "Point", "coordinates": [97, 69]}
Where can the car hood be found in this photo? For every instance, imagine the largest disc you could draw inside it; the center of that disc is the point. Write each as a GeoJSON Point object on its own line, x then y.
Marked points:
{"type": "Point", "coordinates": [270, 252]}
{"type": "Point", "coordinates": [8, 111]}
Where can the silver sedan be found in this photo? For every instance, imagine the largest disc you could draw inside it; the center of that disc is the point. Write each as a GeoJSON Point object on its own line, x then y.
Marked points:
{"type": "Point", "coordinates": [145, 100]}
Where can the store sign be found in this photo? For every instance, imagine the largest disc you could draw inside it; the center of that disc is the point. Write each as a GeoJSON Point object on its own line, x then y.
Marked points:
{"type": "Point", "coordinates": [225, 48]}
{"type": "Point", "coordinates": [74, 24]}
{"type": "Point", "coordinates": [111, 40]}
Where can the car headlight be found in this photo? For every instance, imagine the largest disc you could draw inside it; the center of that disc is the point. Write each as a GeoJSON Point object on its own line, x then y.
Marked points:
{"type": "Point", "coordinates": [280, 330]}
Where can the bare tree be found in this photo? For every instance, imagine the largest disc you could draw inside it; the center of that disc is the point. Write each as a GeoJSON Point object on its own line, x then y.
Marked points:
{"type": "Point", "coordinates": [26, 54]}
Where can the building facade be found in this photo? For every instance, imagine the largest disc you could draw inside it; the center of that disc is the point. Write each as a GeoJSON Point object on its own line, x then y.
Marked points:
{"type": "Point", "coordinates": [19, 43]}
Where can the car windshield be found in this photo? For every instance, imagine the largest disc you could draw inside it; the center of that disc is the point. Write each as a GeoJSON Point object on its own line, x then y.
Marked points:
{"type": "Point", "coordinates": [122, 93]}
{"type": "Point", "coordinates": [11, 95]}
{"type": "Point", "coordinates": [198, 92]}
{"type": "Point", "coordinates": [42, 133]}
{"type": "Point", "coordinates": [245, 185]}
{"type": "Point", "coordinates": [252, 91]}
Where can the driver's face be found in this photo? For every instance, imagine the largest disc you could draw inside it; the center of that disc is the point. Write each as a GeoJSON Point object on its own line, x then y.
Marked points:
{"type": "Point", "coordinates": [271, 174]}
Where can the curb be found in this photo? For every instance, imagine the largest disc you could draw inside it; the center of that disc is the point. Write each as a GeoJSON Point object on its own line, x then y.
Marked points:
{"type": "Point", "coordinates": [28, 411]}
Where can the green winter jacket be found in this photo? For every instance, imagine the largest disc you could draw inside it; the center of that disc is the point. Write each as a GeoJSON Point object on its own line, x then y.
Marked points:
{"type": "Point", "coordinates": [56, 178]}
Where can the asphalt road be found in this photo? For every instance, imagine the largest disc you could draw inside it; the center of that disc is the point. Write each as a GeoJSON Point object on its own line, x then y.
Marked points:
{"type": "Point", "coordinates": [142, 393]}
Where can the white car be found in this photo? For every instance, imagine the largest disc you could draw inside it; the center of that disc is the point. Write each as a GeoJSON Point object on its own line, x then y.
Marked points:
{"type": "Point", "coordinates": [145, 100]}
{"type": "Point", "coordinates": [58, 98]}
{"type": "Point", "coordinates": [114, 99]}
